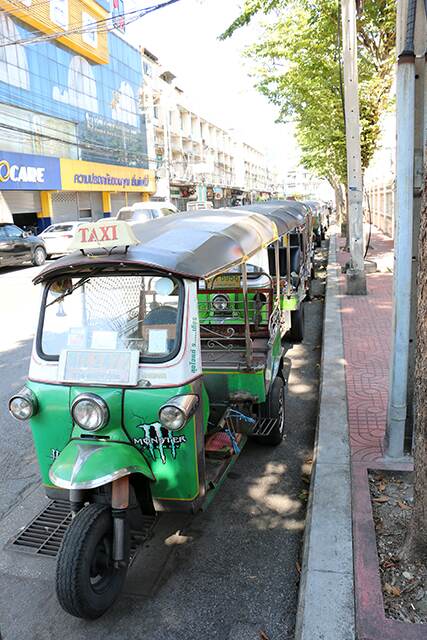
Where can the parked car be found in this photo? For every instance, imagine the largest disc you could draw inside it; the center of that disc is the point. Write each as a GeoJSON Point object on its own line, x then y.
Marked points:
{"type": "Point", "coordinates": [57, 237]}
{"type": "Point", "coordinates": [18, 246]}
{"type": "Point", "coordinates": [145, 211]}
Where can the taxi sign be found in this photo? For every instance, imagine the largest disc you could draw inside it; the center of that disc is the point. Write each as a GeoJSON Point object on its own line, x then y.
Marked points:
{"type": "Point", "coordinates": [103, 234]}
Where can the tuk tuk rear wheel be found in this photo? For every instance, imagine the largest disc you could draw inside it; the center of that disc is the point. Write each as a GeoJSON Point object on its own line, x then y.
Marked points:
{"type": "Point", "coordinates": [87, 582]}
{"type": "Point", "coordinates": [274, 407]}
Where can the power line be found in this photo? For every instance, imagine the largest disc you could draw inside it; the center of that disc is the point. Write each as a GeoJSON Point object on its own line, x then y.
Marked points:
{"type": "Point", "coordinates": [80, 145]}
{"type": "Point", "coordinates": [99, 26]}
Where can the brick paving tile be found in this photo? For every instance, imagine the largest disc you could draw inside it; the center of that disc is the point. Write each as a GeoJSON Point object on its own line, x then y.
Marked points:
{"type": "Point", "coordinates": [367, 326]}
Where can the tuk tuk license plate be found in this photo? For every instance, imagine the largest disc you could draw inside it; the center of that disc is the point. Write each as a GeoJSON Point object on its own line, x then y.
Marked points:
{"type": "Point", "coordinates": [225, 281]}
{"type": "Point", "coordinates": [99, 367]}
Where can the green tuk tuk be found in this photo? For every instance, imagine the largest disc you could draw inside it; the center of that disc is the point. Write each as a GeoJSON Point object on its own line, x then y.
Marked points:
{"type": "Point", "coordinates": [158, 353]}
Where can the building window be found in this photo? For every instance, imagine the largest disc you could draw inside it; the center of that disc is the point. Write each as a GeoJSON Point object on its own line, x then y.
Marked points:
{"type": "Point", "coordinates": [91, 35]}
{"type": "Point", "coordinates": [59, 13]}
{"type": "Point", "coordinates": [124, 105]}
{"type": "Point", "coordinates": [81, 91]}
{"type": "Point", "coordinates": [13, 58]}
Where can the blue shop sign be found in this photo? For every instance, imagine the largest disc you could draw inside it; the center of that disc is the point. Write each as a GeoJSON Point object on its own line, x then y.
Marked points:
{"type": "Point", "coordinates": [26, 171]}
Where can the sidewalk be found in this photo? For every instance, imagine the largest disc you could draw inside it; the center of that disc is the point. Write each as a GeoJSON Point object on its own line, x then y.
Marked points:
{"type": "Point", "coordinates": [367, 327]}
{"type": "Point", "coordinates": [352, 419]}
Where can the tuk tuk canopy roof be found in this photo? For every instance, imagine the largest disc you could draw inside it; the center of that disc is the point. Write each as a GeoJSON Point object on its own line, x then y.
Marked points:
{"type": "Point", "coordinates": [314, 205]}
{"type": "Point", "coordinates": [197, 244]}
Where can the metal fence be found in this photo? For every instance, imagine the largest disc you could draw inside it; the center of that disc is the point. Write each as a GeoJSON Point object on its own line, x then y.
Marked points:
{"type": "Point", "coordinates": [379, 205]}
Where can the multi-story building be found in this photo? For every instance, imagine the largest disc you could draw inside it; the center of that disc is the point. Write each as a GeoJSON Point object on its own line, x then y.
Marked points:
{"type": "Point", "coordinates": [193, 157]}
{"type": "Point", "coordinates": [73, 140]}
{"type": "Point", "coordinates": [90, 123]}
{"type": "Point", "coordinates": [302, 183]}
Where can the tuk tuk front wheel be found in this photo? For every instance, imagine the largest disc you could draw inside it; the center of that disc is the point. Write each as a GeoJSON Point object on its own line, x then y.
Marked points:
{"type": "Point", "coordinates": [274, 407]}
{"type": "Point", "coordinates": [87, 582]}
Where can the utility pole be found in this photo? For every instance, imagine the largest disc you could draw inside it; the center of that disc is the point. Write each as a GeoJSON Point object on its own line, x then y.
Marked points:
{"type": "Point", "coordinates": [409, 98]}
{"type": "Point", "coordinates": [356, 279]}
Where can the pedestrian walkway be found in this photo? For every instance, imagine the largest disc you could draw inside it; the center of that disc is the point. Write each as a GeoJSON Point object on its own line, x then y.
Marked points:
{"type": "Point", "coordinates": [340, 539]}
{"type": "Point", "coordinates": [367, 329]}
{"type": "Point", "coordinates": [367, 340]}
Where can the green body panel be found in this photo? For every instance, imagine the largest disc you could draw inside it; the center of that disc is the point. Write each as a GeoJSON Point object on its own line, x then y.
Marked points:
{"type": "Point", "coordinates": [221, 384]}
{"type": "Point", "coordinates": [205, 408]}
{"type": "Point", "coordinates": [51, 425]}
{"type": "Point", "coordinates": [172, 455]}
{"type": "Point", "coordinates": [290, 304]}
{"type": "Point", "coordinates": [208, 315]}
{"type": "Point", "coordinates": [276, 348]}
{"type": "Point", "coordinates": [84, 464]}
{"type": "Point", "coordinates": [53, 429]}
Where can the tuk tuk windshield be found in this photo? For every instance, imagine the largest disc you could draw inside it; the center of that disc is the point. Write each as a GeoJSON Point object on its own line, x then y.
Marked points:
{"type": "Point", "coordinates": [257, 264]}
{"type": "Point", "coordinates": [139, 312]}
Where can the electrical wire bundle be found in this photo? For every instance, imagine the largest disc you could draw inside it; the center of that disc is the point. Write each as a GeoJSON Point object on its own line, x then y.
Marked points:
{"type": "Point", "coordinates": [98, 26]}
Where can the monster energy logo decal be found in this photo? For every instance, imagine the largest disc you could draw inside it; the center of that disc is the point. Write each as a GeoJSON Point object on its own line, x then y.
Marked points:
{"type": "Point", "coordinates": [156, 438]}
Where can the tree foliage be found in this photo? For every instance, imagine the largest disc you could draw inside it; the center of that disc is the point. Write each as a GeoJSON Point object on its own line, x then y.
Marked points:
{"type": "Point", "coordinates": [297, 66]}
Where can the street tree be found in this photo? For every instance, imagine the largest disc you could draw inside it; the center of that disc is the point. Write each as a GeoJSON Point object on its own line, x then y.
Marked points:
{"type": "Point", "coordinates": [415, 546]}
{"type": "Point", "coordinates": [297, 66]}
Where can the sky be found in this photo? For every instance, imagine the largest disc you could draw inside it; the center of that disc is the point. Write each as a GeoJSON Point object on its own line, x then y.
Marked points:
{"type": "Point", "coordinates": [184, 37]}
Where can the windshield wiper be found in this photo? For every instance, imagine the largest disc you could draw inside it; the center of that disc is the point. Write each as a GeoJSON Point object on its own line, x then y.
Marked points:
{"type": "Point", "coordinates": [78, 284]}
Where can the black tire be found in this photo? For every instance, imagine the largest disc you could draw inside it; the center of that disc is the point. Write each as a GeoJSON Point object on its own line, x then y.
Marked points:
{"type": "Point", "coordinates": [39, 256]}
{"type": "Point", "coordinates": [274, 407]}
{"type": "Point", "coordinates": [296, 333]}
{"type": "Point", "coordinates": [87, 583]}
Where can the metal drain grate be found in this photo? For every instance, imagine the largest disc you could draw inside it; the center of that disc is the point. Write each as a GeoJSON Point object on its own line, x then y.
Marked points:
{"type": "Point", "coordinates": [43, 535]}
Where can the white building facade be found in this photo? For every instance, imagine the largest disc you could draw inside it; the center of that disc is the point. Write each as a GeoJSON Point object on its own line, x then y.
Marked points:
{"type": "Point", "coordinates": [195, 159]}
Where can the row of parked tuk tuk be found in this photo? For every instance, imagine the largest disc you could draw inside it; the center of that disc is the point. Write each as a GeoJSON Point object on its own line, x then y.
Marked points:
{"type": "Point", "coordinates": [158, 353]}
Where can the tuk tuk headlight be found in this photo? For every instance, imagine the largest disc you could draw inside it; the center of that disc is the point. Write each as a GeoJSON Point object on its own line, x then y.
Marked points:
{"type": "Point", "coordinates": [220, 302]}
{"type": "Point", "coordinates": [172, 418]}
{"type": "Point", "coordinates": [23, 405]}
{"type": "Point", "coordinates": [176, 413]}
{"type": "Point", "coordinates": [90, 412]}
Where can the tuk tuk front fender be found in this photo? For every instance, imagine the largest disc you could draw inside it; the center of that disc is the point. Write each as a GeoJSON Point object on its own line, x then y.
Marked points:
{"type": "Point", "coordinates": [87, 465]}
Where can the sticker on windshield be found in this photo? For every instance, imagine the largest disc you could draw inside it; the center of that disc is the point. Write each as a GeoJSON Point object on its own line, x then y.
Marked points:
{"type": "Point", "coordinates": [76, 337]}
{"type": "Point", "coordinates": [159, 441]}
{"type": "Point", "coordinates": [104, 340]}
{"type": "Point", "coordinates": [158, 341]}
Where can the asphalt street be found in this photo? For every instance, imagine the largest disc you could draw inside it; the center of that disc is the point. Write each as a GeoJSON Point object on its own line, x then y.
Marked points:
{"type": "Point", "coordinates": [233, 575]}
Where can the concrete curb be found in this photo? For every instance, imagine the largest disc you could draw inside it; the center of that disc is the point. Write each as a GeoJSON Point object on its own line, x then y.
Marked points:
{"type": "Point", "coordinates": [326, 595]}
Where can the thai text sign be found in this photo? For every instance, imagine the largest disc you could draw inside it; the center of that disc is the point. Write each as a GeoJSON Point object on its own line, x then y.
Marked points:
{"type": "Point", "coordinates": [77, 175]}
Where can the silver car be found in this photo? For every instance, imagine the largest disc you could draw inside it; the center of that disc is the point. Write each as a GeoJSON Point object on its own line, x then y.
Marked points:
{"type": "Point", "coordinates": [145, 211]}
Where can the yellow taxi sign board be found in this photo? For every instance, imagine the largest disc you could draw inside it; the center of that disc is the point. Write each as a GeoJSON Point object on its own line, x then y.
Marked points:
{"type": "Point", "coordinates": [103, 234]}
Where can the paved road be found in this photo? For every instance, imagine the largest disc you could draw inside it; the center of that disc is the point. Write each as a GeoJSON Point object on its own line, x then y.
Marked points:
{"type": "Point", "coordinates": [233, 575]}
